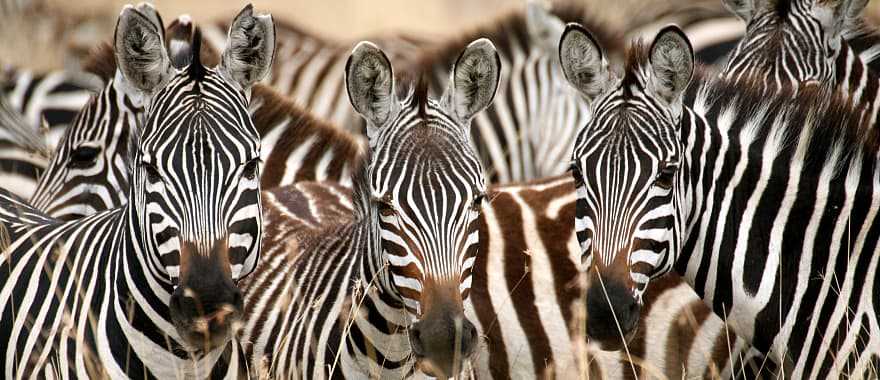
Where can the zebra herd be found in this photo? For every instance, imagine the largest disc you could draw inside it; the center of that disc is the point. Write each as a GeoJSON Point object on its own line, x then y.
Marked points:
{"type": "Point", "coordinates": [507, 204]}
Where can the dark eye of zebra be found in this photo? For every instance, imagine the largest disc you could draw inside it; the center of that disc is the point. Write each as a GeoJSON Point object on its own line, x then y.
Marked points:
{"type": "Point", "coordinates": [250, 169]}
{"type": "Point", "coordinates": [152, 172]}
{"type": "Point", "coordinates": [83, 157]}
{"type": "Point", "coordinates": [666, 176]}
{"type": "Point", "coordinates": [478, 202]}
{"type": "Point", "coordinates": [385, 208]}
{"type": "Point", "coordinates": [578, 177]}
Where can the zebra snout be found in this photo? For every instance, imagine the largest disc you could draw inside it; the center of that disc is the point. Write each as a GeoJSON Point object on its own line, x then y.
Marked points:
{"type": "Point", "coordinates": [442, 343]}
{"type": "Point", "coordinates": [206, 314]}
{"type": "Point", "coordinates": [612, 314]}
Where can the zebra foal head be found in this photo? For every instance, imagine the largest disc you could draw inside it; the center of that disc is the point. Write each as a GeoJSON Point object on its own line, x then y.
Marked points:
{"type": "Point", "coordinates": [625, 164]}
{"type": "Point", "coordinates": [424, 187]}
{"type": "Point", "coordinates": [791, 42]}
{"type": "Point", "coordinates": [195, 183]}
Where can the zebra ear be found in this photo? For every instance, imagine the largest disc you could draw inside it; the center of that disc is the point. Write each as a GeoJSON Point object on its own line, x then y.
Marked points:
{"type": "Point", "coordinates": [583, 62]}
{"type": "Point", "coordinates": [672, 65]}
{"type": "Point", "coordinates": [744, 9]}
{"type": "Point", "coordinates": [140, 51]}
{"type": "Point", "coordinates": [839, 16]}
{"type": "Point", "coordinates": [250, 48]}
{"type": "Point", "coordinates": [475, 78]}
{"type": "Point", "coordinates": [544, 28]}
{"type": "Point", "coordinates": [369, 80]}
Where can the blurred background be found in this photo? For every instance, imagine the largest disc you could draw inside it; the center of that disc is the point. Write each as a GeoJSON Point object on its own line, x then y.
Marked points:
{"type": "Point", "coordinates": [77, 25]}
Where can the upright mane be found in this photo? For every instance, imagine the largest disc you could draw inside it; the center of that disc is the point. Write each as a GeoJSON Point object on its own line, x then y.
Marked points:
{"type": "Point", "coordinates": [101, 60]}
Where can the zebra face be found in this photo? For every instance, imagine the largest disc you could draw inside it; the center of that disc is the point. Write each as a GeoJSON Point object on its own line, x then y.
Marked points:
{"type": "Point", "coordinates": [427, 188]}
{"type": "Point", "coordinates": [91, 160]}
{"type": "Point", "coordinates": [626, 168]}
{"type": "Point", "coordinates": [195, 193]}
{"type": "Point", "coordinates": [793, 41]}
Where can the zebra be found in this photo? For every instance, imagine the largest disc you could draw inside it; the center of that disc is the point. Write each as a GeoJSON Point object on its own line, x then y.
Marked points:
{"type": "Point", "coordinates": [154, 292]}
{"type": "Point", "coordinates": [719, 182]}
{"type": "Point", "coordinates": [381, 292]}
{"type": "Point", "coordinates": [798, 42]}
{"type": "Point", "coordinates": [528, 131]}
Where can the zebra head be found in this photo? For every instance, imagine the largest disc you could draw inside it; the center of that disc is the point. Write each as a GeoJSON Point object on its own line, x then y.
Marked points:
{"type": "Point", "coordinates": [625, 164]}
{"type": "Point", "coordinates": [89, 168]}
{"type": "Point", "coordinates": [425, 188]}
{"type": "Point", "coordinates": [195, 195]}
{"type": "Point", "coordinates": [791, 42]}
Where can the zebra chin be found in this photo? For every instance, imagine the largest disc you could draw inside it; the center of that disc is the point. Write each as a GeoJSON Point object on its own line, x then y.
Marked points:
{"type": "Point", "coordinates": [206, 307]}
{"type": "Point", "coordinates": [612, 313]}
{"type": "Point", "coordinates": [443, 341]}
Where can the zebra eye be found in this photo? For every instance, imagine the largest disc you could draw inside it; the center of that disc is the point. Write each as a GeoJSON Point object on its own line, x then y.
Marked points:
{"type": "Point", "coordinates": [477, 205]}
{"type": "Point", "coordinates": [83, 157]}
{"type": "Point", "coordinates": [665, 177]}
{"type": "Point", "coordinates": [386, 208]}
{"type": "Point", "coordinates": [576, 174]}
{"type": "Point", "coordinates": [152, 172]}
{"type": "Point", "coordinates": [250, 169]}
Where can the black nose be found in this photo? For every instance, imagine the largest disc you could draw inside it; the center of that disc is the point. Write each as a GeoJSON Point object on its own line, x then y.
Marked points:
{"type": "Point", "coordinates": [191, 302]}
{"type": "Point", "coordinates": [608, 309]}
{"type": "Point", "coordinates": [436, 337]}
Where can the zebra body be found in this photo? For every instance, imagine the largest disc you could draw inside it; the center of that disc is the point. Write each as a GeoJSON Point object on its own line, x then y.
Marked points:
{"type": "Point", "coordinates": [765, 203]}
{"type": "Point", "coordinates": [122, 293]}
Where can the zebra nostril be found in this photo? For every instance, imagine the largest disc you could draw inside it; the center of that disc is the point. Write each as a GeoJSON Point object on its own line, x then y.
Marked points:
{"type": "Point", "coordinates": [415, 340]}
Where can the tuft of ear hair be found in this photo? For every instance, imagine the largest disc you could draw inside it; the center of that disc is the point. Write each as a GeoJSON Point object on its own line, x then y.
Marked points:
{"type": "Point", "coordinates": [140, 50]}
{"type": "Point", "coordinates": [583, 62]}
{"type": "Point", "coordinates": [250, 49]}
{"type": "Point", "coordinates": [475, 78]}
{"type": "Point", "coordinates": [672, 64]}
{"type": "Point", "coordinates": [369, 80]}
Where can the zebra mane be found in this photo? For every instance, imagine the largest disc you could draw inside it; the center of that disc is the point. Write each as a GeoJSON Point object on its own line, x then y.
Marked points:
{"type": "Point", "coordinates": [637, 59]}
{"type": "Point", "coordinates": [839, 130]}
{"type": "Point", "coordinates": [195, 70]}
{"type": "Point", "coordinates": [101, 61]}
{"type": "Point", "coordinates": [509, 31]}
